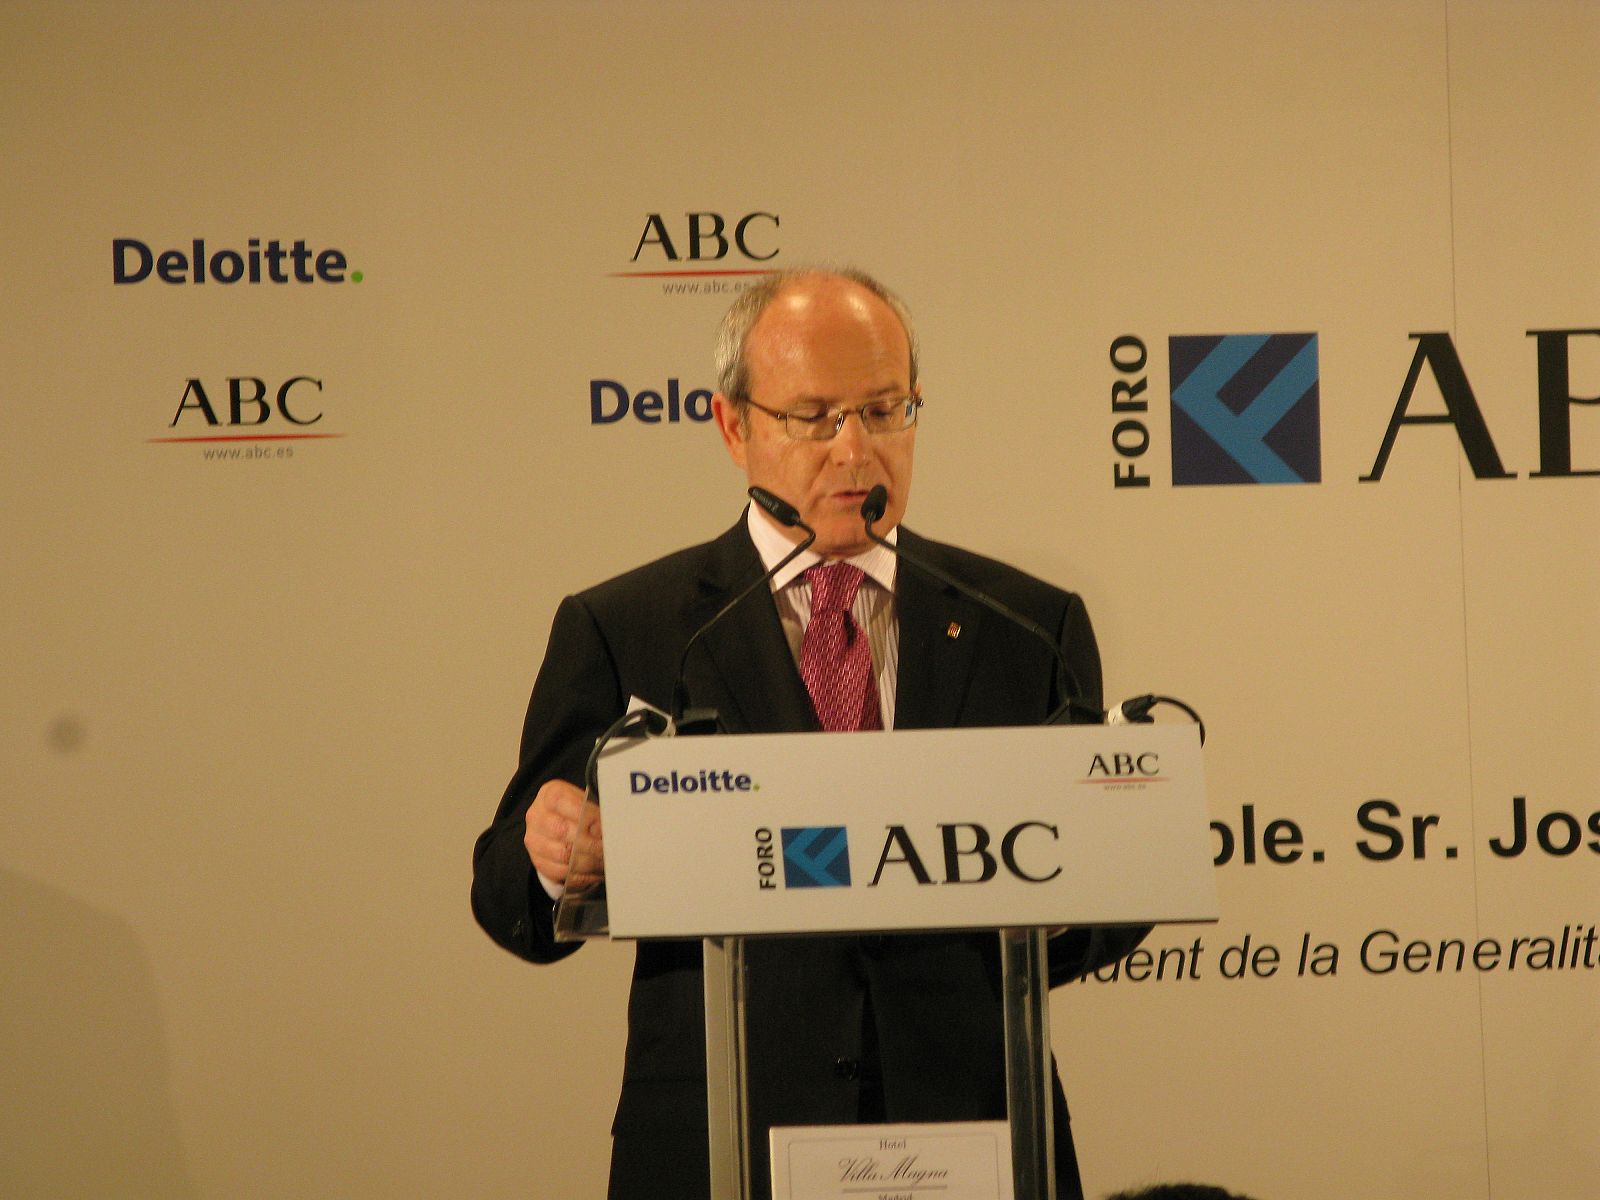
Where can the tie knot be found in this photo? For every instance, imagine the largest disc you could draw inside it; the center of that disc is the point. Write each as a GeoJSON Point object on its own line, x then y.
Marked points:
{"type": "Point", "coordinates": [834, 586]}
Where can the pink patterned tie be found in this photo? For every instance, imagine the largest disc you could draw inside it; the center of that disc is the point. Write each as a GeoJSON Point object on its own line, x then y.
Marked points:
{"type": "Point", "coordinates": [835, 659]}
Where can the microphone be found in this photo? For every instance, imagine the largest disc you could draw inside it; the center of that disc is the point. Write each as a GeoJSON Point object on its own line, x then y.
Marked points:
{"type": "Point", "coordinates": [779, 509]}
{"type": "Point", "coordinates": [1132, 712]}
{"type": "Point", "coordinates": [789, 517]}
{"type": "Point", "coordinates": [1136, 711]}
{"type": "Point", "coordinates": [872, 510]}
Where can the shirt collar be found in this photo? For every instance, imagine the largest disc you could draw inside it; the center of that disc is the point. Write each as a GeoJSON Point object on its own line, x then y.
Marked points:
{"type": "Point", "coordinates": [876, 562]}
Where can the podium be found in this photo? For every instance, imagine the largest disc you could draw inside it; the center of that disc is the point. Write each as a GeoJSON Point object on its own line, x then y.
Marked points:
{"type": "Point", "coordinates": [1014, 831]}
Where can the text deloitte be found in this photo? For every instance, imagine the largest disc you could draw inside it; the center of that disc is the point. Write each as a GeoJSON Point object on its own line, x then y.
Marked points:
{"type": "Point", "coordinates": [609, 401]}
{"type": "Point", "coordinates": [132, 262]}
{"type": "Point", "coordinates": [704, 781]}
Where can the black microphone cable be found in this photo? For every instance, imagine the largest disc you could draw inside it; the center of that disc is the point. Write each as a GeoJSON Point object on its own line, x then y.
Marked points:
{"type": "Point", "coordinates": [786, 515]}
{"type": "Point", "coordinates": [1136, 711]}
{"type": "Point", "coordinates": [872, 509]}
{"type": "Point", "coordinates": [1130, 712]}
{"type": "Point", "coordinates": [652, 722]}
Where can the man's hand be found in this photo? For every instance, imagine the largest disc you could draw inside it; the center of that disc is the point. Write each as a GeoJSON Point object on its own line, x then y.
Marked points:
{"type": "Point", "coordinates": [554, 817]}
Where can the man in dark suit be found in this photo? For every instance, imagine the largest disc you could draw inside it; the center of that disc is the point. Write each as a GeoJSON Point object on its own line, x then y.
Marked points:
{"type": "Point", "coordinates": [817, 402]}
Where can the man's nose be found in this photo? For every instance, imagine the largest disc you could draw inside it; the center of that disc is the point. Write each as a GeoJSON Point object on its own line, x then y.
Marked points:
{"type": "Point", "coordinates": [850, 444]}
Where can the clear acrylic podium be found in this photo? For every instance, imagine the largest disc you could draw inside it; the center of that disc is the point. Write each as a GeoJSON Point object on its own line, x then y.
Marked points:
{"type": "Point", "coordinates": [1066, 825]}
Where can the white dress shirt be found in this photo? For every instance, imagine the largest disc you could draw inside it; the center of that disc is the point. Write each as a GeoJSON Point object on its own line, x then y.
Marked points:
{"type": "Point", "coordinates": [874, 608]}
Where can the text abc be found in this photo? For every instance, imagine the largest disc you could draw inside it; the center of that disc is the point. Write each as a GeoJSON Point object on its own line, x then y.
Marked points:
{"type": "Point", "coordinates": [964, 853]}
{"type": "Point", "coordinates": [705, 230]}
{"type": "Point", "coordinates": [248, 404]}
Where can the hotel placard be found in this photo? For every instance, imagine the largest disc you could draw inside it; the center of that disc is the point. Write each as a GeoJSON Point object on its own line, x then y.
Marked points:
{"type": "Point", "coordinates": [958, 1160]}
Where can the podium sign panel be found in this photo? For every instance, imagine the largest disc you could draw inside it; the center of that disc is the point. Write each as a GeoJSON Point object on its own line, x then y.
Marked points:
{"type": "Point", "coordinates": [906, 830]}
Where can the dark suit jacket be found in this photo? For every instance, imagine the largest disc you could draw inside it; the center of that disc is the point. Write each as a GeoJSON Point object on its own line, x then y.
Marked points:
{"type": "Point", "coordinates": [917, 1017]}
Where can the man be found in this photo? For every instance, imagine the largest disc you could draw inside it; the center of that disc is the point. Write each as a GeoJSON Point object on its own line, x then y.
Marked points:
{"type": "Point", "coordinates": [818, 401]}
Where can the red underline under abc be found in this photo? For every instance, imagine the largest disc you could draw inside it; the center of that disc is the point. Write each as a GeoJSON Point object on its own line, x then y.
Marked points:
{"type": "Point", "coordinates": [680, 274]}
{"type": "Point", "coordinates": [258, 437]}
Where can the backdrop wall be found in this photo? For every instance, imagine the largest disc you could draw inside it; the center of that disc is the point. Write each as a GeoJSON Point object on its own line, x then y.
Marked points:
{"type": "Point", "coordinates": [261, 693]}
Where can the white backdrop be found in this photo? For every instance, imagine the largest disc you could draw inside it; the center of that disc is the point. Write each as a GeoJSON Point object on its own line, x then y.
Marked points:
{"type": "Point", "coordinates": [260, 696]}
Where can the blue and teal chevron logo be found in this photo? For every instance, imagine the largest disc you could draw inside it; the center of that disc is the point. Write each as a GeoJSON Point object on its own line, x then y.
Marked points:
{"type": "Point", "coordinates": [816, 856]}
{"type": "Point", "coordinates": [1245, 409]}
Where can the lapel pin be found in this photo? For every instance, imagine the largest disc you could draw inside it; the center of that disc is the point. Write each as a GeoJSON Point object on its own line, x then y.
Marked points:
{"type": "Point", "coordinates": [954, 630]}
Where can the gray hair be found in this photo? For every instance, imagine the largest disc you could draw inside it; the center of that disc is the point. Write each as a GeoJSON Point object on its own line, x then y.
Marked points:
{"type": "Point", "coordinates": [733, 373]}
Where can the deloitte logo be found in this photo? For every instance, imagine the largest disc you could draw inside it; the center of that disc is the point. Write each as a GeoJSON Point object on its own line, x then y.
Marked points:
{"type": "Point", "coordinates": [703, 780]}
{"type": "Point", "coordinates": [133, 261]}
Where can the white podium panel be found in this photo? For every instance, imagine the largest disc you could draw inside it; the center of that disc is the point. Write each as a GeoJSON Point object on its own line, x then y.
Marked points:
{"type": "Point", "coordinates": [904, 830]}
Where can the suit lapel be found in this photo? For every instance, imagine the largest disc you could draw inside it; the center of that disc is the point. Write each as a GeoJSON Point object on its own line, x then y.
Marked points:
{"type": "Point", "coordinates": [746, 672]}
{"type": "Point", "coordinates": [939, 631]}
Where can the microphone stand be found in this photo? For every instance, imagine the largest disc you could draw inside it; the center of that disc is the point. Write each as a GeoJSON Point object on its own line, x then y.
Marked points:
{"type": "Point", "coordinates": [1073, 706]}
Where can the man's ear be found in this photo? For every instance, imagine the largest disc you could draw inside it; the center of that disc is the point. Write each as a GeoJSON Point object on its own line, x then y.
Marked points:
{"type": "Point", "coordinates": [731, 426]}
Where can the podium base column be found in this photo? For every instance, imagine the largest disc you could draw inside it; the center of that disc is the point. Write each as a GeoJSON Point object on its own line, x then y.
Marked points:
{"type": "Point", "coordinates": [1025, 988]}
{"type": "Point", "coordinates": [727, 1082]}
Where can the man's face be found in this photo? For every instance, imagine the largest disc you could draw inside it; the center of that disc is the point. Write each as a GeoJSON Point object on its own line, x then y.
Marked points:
{"type": "Point", "coordinates": [825, 341]}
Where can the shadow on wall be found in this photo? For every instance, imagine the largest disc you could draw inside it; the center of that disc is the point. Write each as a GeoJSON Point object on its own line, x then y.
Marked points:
{"type": "Point", "coordinates": [85, 1104]}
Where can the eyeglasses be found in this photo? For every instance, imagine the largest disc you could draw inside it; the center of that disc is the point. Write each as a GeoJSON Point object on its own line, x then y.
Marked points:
{"type": "Point", "coordinates": [818, 423]}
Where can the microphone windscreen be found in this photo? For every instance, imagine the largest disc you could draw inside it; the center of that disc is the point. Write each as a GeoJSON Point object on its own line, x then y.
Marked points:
{"type": "Point", "coordinates": [778, 509]}
{"type": "Point", "coordinates": [877, 501]}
